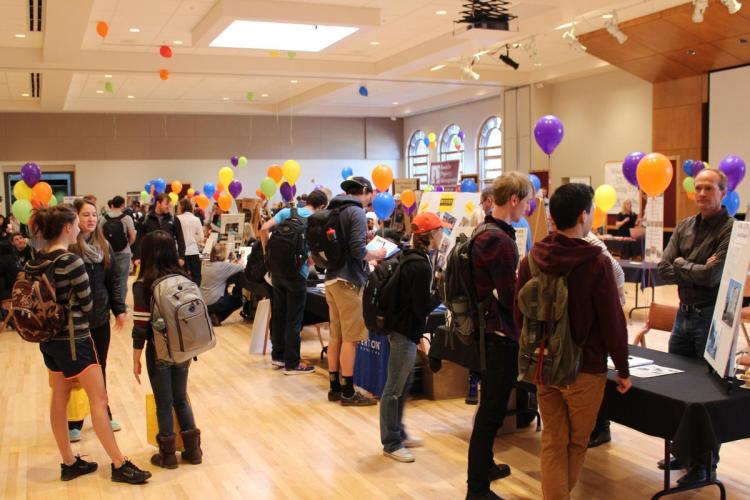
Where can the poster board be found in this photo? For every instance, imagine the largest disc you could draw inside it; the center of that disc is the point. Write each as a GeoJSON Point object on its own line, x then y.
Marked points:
{"type": "Point", "coordinates": [453, 208]}
{"type": "Point", "coordinates": [209, 245]}
{"type": "Point", "coordinates": [401, 185]}
{"type": "Point", "coordinates": [725, 324]}
{"type": "Point", "coordinates": [233, 225]}
{"type": "Point", "coordinates": [521, 236]}
{"type": "Point", "coordinates": [625, 191]}
{"type": "Point", "coordinates": [654, 229]}
{"type": "Point", "coordinates": [445, 173]}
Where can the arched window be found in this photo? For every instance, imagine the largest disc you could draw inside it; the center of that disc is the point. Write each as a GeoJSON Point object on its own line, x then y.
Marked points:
{"type": "Point", "coordinates": [451, 147]}
{"type": "Point", "coordinates": [417, 157]}
{"type": "Point", "coordinates": [490, 150]}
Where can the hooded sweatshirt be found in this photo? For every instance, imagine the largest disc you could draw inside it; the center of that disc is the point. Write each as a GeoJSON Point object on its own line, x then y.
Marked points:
{"type": "Point", "coordinates": [596, 318]}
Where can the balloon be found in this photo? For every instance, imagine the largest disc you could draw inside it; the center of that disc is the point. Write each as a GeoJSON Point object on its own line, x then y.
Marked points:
{"type": "Point", "coordinates": [456, 141]}
{"type": "Point", "coordinates": [691, 196]}
{"type": "Point", "coordinates": [439, 189]}
{"type": "Point", "coordinates": [346, 172]}
{"type": "Point", "coordinates": [160, 185]}
{"type": "Point", "coordinates": [432, 136]}
{"type": "Point", "coordinates": [173, 198]}
{"type": "Point", "coordinates": [242, 162]}
{"type": "Point", "coordinates": [291, 54]}
{"type": "Point", "coordinates": [428, 188]}
{"type": "Point", "coordinates": [108, 87]}
{"type": "Point", "coordinates": [433, 145]}
{"type": "Point", "coordinates": [190, 192]}
{"type": "Point", "coordinates": [234, 160]}
{"type": "Point", "coordinates": [202, 201]}
{"type": "Point", "coordinates": [225, 202]}
{"type": "Point", "coordinates": [532, 207]}
{"type": "Point", "coordinates": [147, 187]}
{"type": "Point", "coordinates": [145, 196]}
{"type": "Point", "coordinates": [548, 133]}
{"type": "Point", "coordinates": [165, 51]}
{"type": "Point", "coordinates": [383, 205]}
{"type": "Point", "coordinates": [654, 174]}
{"type": "Point", "coordinates": [22, 210]}
{"type": "Point", "coordinates": [600, 218]}
{"type": "Point", "coordinates": [363, 91]}
{"type": "Point", "coordinates": [259, 193]}
{"type": "Point", "coordinates": [468, 186]}
{"type": "Point", "coordinates": [219, 187]}
{"type": "Point", "coordinates": [426, 141]}
{"type": "Point", "coordinates": [408, 198]}
{"type": "Point", "coordinates": [176, 187]}
{"type": "Point", "coordinates": [216, 196]}
{"type": "Point", "coordinates": [630, 165]}
{"type": "Point", "coordinates": [42, 192]}
{"type": "Point", "coordinates": [164, 74]}
{"type": "Point", "coordinates": [733, 167]}
{"type": "Point", "coordinates": [250, 96]}
{"type": "Point", "coordinates": [286, 191]}
{"type": "Point", "coordinates": [52, 202]}
{"type": "Point", "coordinates": [226, 175]}
{"type": "Point", "coordinates": [689, 184]}
{"type": "Point", "coordinates": [235, 188]}
{"type": "Point", "coordinates": [687, 166]}
{"type": "Point", "coordinates": [22, 192]}
{"type": "Point", "coordinates": [732, 202]}
{"type": "Point", "coordinates": [697, 167]}
{"type": "Point", "coordinates": [268, 186]}
{"type": "Point", "coordinates": [605, 197]}
{"type": "Point", "coordinates": [461, 135]}
{"type": "Point", "coordinates": [275, 173]}
{"type": "Point", "coordinates": [31, 173]}
{"type": "Point", "coordinates": [209, 189]}
{"type": "Point", "coordinates": [382, 176]}
{"type": "Point", "coordinates": [534, 180]}
{"type": "Point", "coordinates": [102, 28]}
{"type": "Point", "coordinates": [291, 170]}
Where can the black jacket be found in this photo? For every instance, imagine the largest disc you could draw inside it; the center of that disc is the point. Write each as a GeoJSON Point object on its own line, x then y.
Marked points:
{"type": "Point", "coordinates": [416, 299]}
{"type": "Point", "coordinates": [9, 270]}
{"type": "Point", "coordinates": [151, 223]}
{"type": "Point", "coordinates": [105, 290]}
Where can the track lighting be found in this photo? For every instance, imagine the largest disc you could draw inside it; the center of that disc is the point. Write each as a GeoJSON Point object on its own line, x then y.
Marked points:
{"type": "Point", "coordinates": [507, 59]}
{"type": "Point", "coordinates": [468, 69]}
{"type": "Point", "coordinates": [699, 8]}
{"type": "Point", "coordinates": [531, 51]}
{"type": "Point", "coordinates": [570, 37]}
{"type": "Point", "coordinates": [614, 30]}
{"type": "Point", "coordinates": [733, 6]}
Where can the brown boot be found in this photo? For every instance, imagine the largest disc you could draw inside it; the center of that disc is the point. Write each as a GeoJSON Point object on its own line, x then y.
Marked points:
{"type": "Point", "coordinates": [166, 457]}
{"type": "Point", "coordinates": [192, 441]}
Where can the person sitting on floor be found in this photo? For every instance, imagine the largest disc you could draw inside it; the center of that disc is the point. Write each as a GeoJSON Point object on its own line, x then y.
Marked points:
{"type": "Point", "coordinates": [217, 276]}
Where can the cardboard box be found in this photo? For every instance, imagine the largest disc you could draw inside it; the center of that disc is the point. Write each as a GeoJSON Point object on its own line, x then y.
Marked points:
{"type": "Point", "coordinates": [452, 381]}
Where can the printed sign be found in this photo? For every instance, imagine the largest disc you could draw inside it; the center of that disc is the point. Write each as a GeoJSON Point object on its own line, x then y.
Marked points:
{"type": "Point", "coordinates": [654, 229]}
{"type": "Point", "coordinates": [445, 173]}
{"type": "Point", "coordinates": [625, 191]}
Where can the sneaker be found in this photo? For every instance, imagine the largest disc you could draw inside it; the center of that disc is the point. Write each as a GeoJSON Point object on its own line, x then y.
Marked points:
{"type": "Point", "coordinates": [115, 425]}
{"type": "Point", "coordinates": [358, 399]}
{"type": "Point", "coordinates": [400, 455]}
{"type": "Point", "coordinates": [697, 475]}
{"type": "Point", "coordinates": [277, 363]}
{"type": "Point", "coordinates": [74, 435]}
{"type": "Point", "coordinates": [79, 468]}
{"type": "Point", "coordinates": [300, 369]}
{"type": "Point", "coordinates": [129, 473]}
{"type": "Point", "coordinates": [334, 395]}
{"type": "Point", "coordinates": [498, 471]}
{"type": "Point", "coordinates": [413, 442]}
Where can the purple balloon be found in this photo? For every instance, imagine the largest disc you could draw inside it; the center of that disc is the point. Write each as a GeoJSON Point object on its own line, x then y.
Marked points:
{"type": "Point", "coordinates": [31, 173]}
{"type": "Point", "coordinates": [548, 133]}
{"type": "Point", "coordinates": [286, 191]}
{"type": "Point", "coordinates": [461, 135]}
{"type": "Point", "coordinates": [697, 167]}
{"type": "Point", "coordinates": [235, 160]}
{"type": "Point", "coordinates": [439, 189]}
{"type": "Point", "coordinates": [235, 188]}
{"type": "Point", "coordinates": [532, 207]}
{"type": "Point", "coordinates": [733, 167]}
{"type": "Point", "coordinates": [630, 165]}
{"type": "Point", "coordinates": [294, 190]}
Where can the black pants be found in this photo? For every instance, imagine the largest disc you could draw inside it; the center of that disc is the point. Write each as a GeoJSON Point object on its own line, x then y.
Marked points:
{"type": "Point", "coordinates": [193, 267]}
{"type": "Point", "coordinates": [101, 336]}
{"type": "Point", "coordinates": [288, 309]}
{"type": "Point", "coordinates": [229, 302]}
{"type": "Point", "coordinates": [498, 380]}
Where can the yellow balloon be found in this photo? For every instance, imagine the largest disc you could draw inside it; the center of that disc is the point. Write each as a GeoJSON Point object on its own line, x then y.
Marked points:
{"type": "Point", "coordinates": [291, 170]}
{"type": "Point", "coordinates": [22, 192]}
{"type": "Point", "coordinates": [226, 175]}
{"type": "Point", "coordinates": [173, 198]}
{"type": "Point", "coordinates": [605, 197]}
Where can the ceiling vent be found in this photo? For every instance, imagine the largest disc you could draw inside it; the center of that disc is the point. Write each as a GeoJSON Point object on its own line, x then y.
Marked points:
{"type": "Point", "coordinates": [35, 15]}
{"type": "Point", "coordinates": [36, 84]}
{"type": "Point", "coordinates": [486, 14]}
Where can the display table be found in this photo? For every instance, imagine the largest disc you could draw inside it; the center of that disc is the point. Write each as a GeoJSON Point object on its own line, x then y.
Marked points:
{"type": "Point", "coordinates": [625, 248]}
{"type": "Point", "coordinates": [644, 275]}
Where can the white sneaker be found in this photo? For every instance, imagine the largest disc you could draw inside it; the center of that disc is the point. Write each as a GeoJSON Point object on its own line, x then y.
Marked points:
{"type": "Point", "coordinates": [400, 455]}
{"type": "Point", "coordinates": [413, 442]}
{"type": "Point", "coordinates": [277, 364]}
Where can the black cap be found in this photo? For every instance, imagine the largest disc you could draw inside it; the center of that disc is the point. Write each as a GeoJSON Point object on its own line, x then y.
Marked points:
{"type": "Point", "coordinates": [356, 182]}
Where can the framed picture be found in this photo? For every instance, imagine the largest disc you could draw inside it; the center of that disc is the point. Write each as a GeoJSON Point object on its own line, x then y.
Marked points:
{"type": "Point", "coordinates": [474, 177]}
{"type": "Point", "coordinates": [132, 196]}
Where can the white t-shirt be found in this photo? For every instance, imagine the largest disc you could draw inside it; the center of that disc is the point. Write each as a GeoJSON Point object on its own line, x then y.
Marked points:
{"type": "Point", "coordinates": [192, 232]}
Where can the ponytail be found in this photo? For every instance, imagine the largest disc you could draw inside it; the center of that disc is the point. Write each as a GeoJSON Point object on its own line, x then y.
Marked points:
{"type": "Point", "coordinates": [48, 223]}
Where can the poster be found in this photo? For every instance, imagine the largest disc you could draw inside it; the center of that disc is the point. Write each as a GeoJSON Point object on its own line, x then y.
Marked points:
{"type": "Point", "coordinates": [522, 235]}
{"type": "Point", "coordinates": [401, 185]}
{"type": "Point", "coordinates": [444, 173]}
{"type": "Point", "coordinates": [654, 229]}
{"type": "Point", "coordinates": [455, 209]}
{"type": "Point", "coordinates": [233, 225]}
{"type": "Point", "coordinates": [722, 336]}
{"type": "Point", "coordinates": [625, 191]}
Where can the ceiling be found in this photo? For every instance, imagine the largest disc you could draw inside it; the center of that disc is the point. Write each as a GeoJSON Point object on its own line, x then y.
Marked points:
{"type": "Point", "coordinates": [392, 53]}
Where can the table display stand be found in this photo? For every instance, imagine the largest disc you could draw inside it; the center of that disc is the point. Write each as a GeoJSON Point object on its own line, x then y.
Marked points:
{"type": "Point", "coordinates": [653, 296]}
{"type": "Point", "coordinates": [727, 381]}
{"type": "Point", "coordinates": [669, 490]}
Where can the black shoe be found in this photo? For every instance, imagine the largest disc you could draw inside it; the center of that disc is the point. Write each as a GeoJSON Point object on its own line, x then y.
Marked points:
{"type": "Point", "coordinates": [472, 400]}
{"type": "Point", "coordinates": [358, 399]}
{"type": "Point", "coordinates": [697, 474]}
{"type": "Point", "coordinates": [674, 464]}
{"type": "Point", "coordinates": [499, 471]}
{"type": "Point", "coordinates": [603, 437]}
{"type": "Point", "coordinates": [129, 473]}
{"type": "Point", "coordinates": [334, 395]}
{"type": "Point", "coordinates": [487, 495]}
{"type": "Point", "coordinates": [79, 468]}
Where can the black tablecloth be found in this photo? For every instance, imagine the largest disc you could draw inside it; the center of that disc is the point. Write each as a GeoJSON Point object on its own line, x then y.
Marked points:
{"type": "Point", "coordinates": [690, 408]}
{"type": "Point", "coordinates": [645, 273]}
{"type": "Point", "coordinates": [627, 248]}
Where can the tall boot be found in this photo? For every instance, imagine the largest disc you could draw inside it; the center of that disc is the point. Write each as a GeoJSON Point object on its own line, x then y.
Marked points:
{"type": "Point", "coordinates": [192, 441]}
{"type": "Point", "coordinates": [166, 457]}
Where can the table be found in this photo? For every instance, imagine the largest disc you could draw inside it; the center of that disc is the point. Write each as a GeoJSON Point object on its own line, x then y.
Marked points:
{"type": "Point", "coordinates": [644, 274]}
{"type": "Point", "coordinates": [691, 411]}
{"type": "Point", "coordinates": [626, 248]}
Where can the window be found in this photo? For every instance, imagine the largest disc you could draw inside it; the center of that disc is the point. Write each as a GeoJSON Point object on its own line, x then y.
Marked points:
{"type": "Point", "coordinates": [490, 150]}
{"type": "Point", "coordinates": [448, 148]}
{"type": "Point", "coordinates": [417, 157]}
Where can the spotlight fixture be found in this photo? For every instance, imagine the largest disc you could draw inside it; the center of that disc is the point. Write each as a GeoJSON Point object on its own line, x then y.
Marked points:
{"type": "Point", "coordinates": [613, 29]}
{"type": "Point", "coordinates": [468, 69]}
{"type": "Point", "coordinates": [699, 8]}
{"type": "Point", "coordinates": [507, 59]}
{"type": "Point", "coordinates": [733, 6]}
{"type": "Point", "coordinates": [573, 42]}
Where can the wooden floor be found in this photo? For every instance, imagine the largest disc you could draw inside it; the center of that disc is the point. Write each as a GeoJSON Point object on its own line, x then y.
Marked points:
{"type": "Point", "coordinates": [266, 435]}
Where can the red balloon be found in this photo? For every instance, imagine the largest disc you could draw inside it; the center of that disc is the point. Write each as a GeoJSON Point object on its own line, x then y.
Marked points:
{"type": "Point", "coordinates": [165, 51]}
{"type": "Point", "coordinates": [216, 196]}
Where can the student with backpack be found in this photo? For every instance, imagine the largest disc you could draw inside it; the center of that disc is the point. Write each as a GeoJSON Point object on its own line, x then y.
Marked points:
{"type": "Point", "coordinates": [160, 218]}
{"type": "Point", "coordinates": [163, 295]}
{"type": "Point", "coordinates": [65, 339]}
{"type": "Point", "coordinates": [119, 230]}
{"type": "Point", "coordinates": [287, 255]}
{"type": "Point", "coordinates": [569, 309]}
{"type": "Point", "coordinates": [192, 232]}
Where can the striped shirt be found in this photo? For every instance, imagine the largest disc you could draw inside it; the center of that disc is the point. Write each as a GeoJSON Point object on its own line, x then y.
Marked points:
{"type": "Point", "coordinates": [71, 280]}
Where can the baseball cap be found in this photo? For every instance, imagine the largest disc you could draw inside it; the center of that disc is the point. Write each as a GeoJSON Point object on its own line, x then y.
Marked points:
{"type": "Point", "coordinates": [427, 221]}
{"type": "Point", "coordinates": [356, 182]}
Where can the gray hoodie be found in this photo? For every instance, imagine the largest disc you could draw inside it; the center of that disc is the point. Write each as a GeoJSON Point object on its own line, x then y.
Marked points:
{"type": "Point", "coordinates": [354, 236]}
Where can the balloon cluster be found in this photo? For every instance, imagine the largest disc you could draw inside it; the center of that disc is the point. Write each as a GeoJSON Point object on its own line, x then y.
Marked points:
{"type": "Point", "coordinates": [282, 177]}
{"type": "Point", "coordinates": [734, 168]}
{"type": "Point", "coordinates": [431, 140]}
{"type": "Point", "coordinates": [31, 193]}
{"type": "Point", "coordinates": [651, 173]}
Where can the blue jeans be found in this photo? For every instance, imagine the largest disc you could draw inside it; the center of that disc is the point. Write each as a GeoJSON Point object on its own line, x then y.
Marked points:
{"type": "Point", "coordinates": [122, 269]}
{"type": "Point", "coordinates": [287, 312]}
{"type": "Point", "coordinates": [400, 365]}
{"type": "Point", "coordinates": [169, 383]}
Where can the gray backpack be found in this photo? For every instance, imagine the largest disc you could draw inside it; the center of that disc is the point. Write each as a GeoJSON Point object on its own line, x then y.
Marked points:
{"type": "Point", "coordinates": [180, 320]}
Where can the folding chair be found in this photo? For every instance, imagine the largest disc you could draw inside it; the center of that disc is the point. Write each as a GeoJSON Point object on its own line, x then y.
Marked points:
{"type": "Point", "coordinates": [660, 317]}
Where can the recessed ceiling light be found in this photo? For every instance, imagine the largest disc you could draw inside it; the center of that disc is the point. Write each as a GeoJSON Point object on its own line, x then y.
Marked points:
{"type": "Point", "coordinates": [135, 30]}
{"type": "Point", "coordinates": [177, 42]}
{"type": "Point", "coordinates": [566, 25]}
{"type": "Point", "coordinates": [292, 81]}
{"type": "Point", "coordinates": [131, 97]}
{"type": "Point", "coordinates": [438, 67]}
{"type": "Point", "coordinates": [25, 94]}
{"type": "Point", "coordinates": [99, 91]}
{"type": "Point", "coordinates": [374, 43]}
{"type": "Point", "coordinates": [608, 16]}
{"type": "Point", "coordinates": [20, 35]}
{"type": "Point", "coordinates": [225, 98]}
{"type": "Point", "coordinates": [107, 76]}
{"type": "Point", "coordinates": [395, 103]}
{"type": "Point", "coordinates": [441, 12]}
{"type": "Point", "coordinates": [537, 64]}
{"type": "Point", "coordinates": [264, 95]}
{"type": "Point", "coordinates": [280, 36]}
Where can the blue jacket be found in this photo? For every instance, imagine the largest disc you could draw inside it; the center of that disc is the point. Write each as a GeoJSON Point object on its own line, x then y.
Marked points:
{"type": "Point", "coordinates": [354, 236]}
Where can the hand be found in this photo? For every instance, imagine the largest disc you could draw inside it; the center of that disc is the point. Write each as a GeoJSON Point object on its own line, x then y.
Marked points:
{"type": "Point", "coordinates": [136, 262]}
{"type": "Point", "coordinates": [380, 253]}
{"type": "Point", "coordinates": [181, 262]}
{"type": "Point", "coordinates": [743, 359]}
{"type": "Point", "coordinates": [623, 384]}
{"type": "Point", "coordinates": [137, 364]}
{"type": "Point", "coordinates": [679, 262]}
{"type": "Point", "coordinates": [120, 321]}
{"type": "Point", "coordinates": [712, 259]}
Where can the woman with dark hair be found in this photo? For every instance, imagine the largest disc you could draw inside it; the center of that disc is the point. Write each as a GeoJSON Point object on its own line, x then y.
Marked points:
{"type": "Point", "coordinates": [104, 280]}
{"type": "Point", "coordinates": [59, 228]}
{"type": "Point", "coordinates": [168, 380]}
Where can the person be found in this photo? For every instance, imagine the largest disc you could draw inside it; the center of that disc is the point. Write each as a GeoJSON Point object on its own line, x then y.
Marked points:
{"type": "Point", "coordinates": [597, 324]}
{"type": "Point", "coordinates": [23, 252]}
{"type": "Point", "coordinates": [9, 270]}
{"type": "Point", "coordinates": [192, 232]}
{"type": "Point", "coordinates": [416, 298]}
{"type": "Point", "coordinates": [626, 219]}
{"type": "Point", "coordinates": [399, 222]}
{"type": "Point", "coordinates": [3, 227]}
{"type": "Point", "coordinates": [289, 296]}
{"type": "Point", "coordinates": [168, 380]}
{"type": "Point", "coordinates": [494, 259]}
{"type": "Point", "coordinates": [344, 287]}
{"type": "Point", "coordinates": [215, 221]}
{"type": "Point", "coordinates": [59, 228]}
{"type": "Point", "coordinates": [218, 275]}
{"type": "Point", "coordinates": [694, 260]}
{"type": "Point", "coordinates": [123, 256]}
{"type": "Point", "coordinates": [160, 218]}
{"type": "Point", "coordinates": [485, 207]}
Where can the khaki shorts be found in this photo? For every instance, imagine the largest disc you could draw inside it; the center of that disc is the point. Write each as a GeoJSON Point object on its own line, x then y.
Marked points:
{"type": "Point", "coordinates": [345, 311]}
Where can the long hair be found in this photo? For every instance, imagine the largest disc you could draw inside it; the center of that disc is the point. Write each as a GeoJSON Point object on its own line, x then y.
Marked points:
{"type": "Point", "coordinates": [97, 237]}
{"type": "Point", "coordinates": [421, 241]}
{"type": "Point", "coordinates": [158, 259]}
{"type": "Point", "coordinates": [48, 223]}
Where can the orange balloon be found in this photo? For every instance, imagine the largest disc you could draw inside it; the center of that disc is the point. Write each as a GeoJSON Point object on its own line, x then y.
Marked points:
{"type": "Point", "coordinates": [191, 192]}
{"type": "Point", "coordinates": [600, 218]}
{"type": "Point", "coordinates": [202, 201]}
{"type": "Point", "coordinates": [275, 173]}
{"type": "Point", "coordinates": [408, 198]}
{"type": "Point", "coordinates": [382, 176]}
{"type": "Point", "coordinates": [654, 174]}
{"type": "Point", "coordinates": [176, 187]}
{"type": "Point", "coordinates": [164, 74]}
{"type": "Point", "coordinates": [42, 192]}
{"type": "Point", "coordinates": [219, 187]}
{"type": "Point", "coordinates": [691, 195]}
{"type": "Point", "coordinates": [225, 202]}
{"type": "Point", "coordinates": [102, 29]}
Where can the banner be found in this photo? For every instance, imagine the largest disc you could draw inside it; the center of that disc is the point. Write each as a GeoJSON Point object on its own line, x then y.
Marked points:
{"type": "Point", "coordinates": [445, 173]}
{"type": "Point", "coordinates": [455, 209]}
{"type": "Point", "coordinates": [625, 191]}
{"type": "Point", "coordinates": [654, 229]}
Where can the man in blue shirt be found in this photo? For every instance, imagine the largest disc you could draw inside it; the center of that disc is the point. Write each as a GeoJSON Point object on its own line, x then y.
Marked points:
{"type": "Point", "coordinates": [289, 297]}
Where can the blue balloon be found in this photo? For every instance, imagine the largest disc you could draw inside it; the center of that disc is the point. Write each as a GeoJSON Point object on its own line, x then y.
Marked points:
{"type": "Point", "coordinates": [535, 182]}
{"type": "Point", "coordinates": [426, 141]}
{"type": "Point", "coordinates": [687, 166]}
{"type": "Point", "coordinates": [732, 202]}
{"type": "Point", "coordinates": [347, 172]}
{"type": "Point", "coordinates": [383, 205]}
{"type": "Point", "coordinates": [147, 187]}
{"type": "Point", "coordinates": [160, 185]}
{"type": "Point", "coordinates": [363, 91]}
{"type": "Point", "coordinates": [209, 189]}
{"type": "Point", "coordinates": [468, 186]}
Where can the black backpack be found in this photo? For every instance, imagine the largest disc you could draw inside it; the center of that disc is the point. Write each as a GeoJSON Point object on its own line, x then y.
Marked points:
{"type": "Point", "coordinates": [380, 295]}
{"type": "Point", "coordinates": [286, 247]}
{"type": "Point", "coordinates": [256, 269]}
{"type": "Point", "coordinates": [114, 231]}
{"type": "Point", "coordinates": [324, 235]}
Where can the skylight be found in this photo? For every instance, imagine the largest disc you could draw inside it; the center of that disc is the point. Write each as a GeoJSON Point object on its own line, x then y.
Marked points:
{"type": "Point", "coordinates": [280, 36]}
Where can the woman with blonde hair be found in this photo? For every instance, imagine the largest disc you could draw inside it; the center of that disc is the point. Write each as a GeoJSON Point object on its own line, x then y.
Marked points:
{"type": "Point", "coordinates": [218, 275]}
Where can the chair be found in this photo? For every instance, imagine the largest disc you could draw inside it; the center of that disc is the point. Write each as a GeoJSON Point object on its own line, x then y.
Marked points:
{"type": "Point", "coordinates": [5, 305]}
{"type": "Point", "coordinates": [660, 317]}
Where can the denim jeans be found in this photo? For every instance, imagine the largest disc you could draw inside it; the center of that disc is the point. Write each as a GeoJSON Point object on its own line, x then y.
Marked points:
{"type": "Point", "coordinates": [287, 311]}
{"type": "Point", "coordinates": [169, 383]}
{"type": "Point", "coordinates": [400, 366]}
{"type": "Point", "coordinates": [122, 268]}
